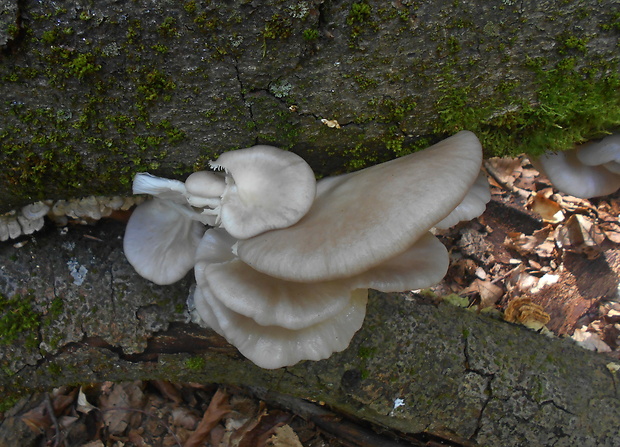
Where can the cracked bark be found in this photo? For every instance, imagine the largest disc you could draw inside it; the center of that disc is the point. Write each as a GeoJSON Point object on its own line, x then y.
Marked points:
{"type": "Point", "coordinates": [461, 377]}
{"type": "Point", "coordinates": [95, 92]}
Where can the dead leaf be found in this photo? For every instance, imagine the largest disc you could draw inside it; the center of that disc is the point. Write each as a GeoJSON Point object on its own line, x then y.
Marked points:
{"type": "Point", "coordinates": [118, 405]}
{"type": "Point", "coordinates": [504, 170]}
{"type": "Point", "coordinates": [83, 406]}
{"type": "Point", "coordinates": [168, 390]}
{"type": "Point", "coordinates": [549, 210]}
{"type": "Point", "coordinates": [590, 340]}
{"type": "Point", "coordinates": [488, 292]}
{"type": "Point", "coordinates": [218, 408]}
{"type": "Point", "coordinates": [184, 417]}
{"type": "Point", "coordinates": [37, 419]}
{"type": "Point", "coordinates": [580, 235]}
{"type": "Point", "coordinates": [541, 242]}
{"type": "Point", "coordinates": [284, 436]}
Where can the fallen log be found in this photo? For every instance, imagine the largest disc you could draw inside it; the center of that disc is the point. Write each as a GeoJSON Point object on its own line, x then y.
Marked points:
{"type": "Point", "coordinates": [74, 311]}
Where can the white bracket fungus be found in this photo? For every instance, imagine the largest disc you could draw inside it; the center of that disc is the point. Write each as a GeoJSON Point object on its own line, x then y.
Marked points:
{"type": "Point", "coordinates": [285, 274]}
{"type": "Point", "coordinates": [588, 170]}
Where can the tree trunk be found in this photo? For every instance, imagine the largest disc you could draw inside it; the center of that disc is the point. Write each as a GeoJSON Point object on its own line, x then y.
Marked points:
{"type": "Point", "coordinates": [93, 92]}
{"type": "Point", "coordinates": [74, 311]}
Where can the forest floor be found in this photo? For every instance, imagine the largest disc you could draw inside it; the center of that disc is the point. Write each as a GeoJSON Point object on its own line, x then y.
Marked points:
{"type": "Point", "coordinates": [536, 257]}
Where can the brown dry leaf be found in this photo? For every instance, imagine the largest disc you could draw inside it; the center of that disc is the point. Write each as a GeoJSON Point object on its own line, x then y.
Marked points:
{"type": "Point", "coordinates": [503, 170]}
{"type": "Point", "coordinates": [218, 408]}
{"type": "Point", "coordinates": [118, 405]}
{"type": "Point", "coordinates": [238, 427]}
{"type": "Point", "coordinates": [489, 293]}
{"type": "Point", "coordinates": [37, 419]}
{"type": "Point", "coordinates": [609, 225]}
{"type": "Point", "coordinates": [523, 311]}
{"type": "Point", "coordinates": [540, 242]}
{"type": "Point", "coordinates": [168, 390]}
{"type": "Point", "coordinates": [184, 417]}
{"type": "Point", "coordinates": [284, 436]}
{"type": "Point", "coordinates": [548, 209]}
{"type": "Point", "coordinates": [580, 235]}
{"type": "Point", "coordinates": [573, 205]}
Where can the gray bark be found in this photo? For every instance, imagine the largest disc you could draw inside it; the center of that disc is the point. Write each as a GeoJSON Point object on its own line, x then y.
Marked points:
{"type": "Point", "coordinates": [74, 311]}
{"type": "Point", "coordinates": [93, 92]}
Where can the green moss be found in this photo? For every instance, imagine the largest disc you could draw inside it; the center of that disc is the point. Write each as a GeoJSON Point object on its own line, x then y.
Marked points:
{"type": "Point", "coordinates": [8, 401]}
{"type": "Point", "coordinates": [82, 65]}
{"type": "Point", "coordinates": [365, 352]}
{"type": "Point", "coordinates": [195, 363]}
{"type": "Point", "coordinates": [572, 105]}
{"type": "Point", "coordinates": [310, 34]}
{"type": "Point", "coordinates": [359, 13]}
{"type": "Point", "coordinates": [18, 320]}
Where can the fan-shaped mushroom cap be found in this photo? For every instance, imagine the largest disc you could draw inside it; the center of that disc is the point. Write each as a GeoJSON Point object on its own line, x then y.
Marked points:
{"type": "Point", "coordinates": [362, 219]}
{"type": "Point", "coordinates": [571, 176]}
{"type": "Point", "coordinates": [422, 265]}
{"type": "Point", "coordinates": [35, 210]}
{"type": "Point", "coordinates": [605, 153]}
{"type": "Point", "coordinates": [160, 243]}
{"type": "Point", "coordinates": [268, 301]}
{"type": "Point", "coordinates": [273, 346]}
{"type": "Point", "coordinates": [266, 188]}
{"type": "Point", "coordinates": [472, 206]}
{"type": "Point", "coordinates": [600, 152]}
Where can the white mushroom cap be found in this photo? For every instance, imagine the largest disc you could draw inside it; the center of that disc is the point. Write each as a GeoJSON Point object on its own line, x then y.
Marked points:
{"type": "Point", "coordinates": [160, 242]}
{"type": "Point", "coordinates": [35, 210]}
{"type": "Point", "coordinates": [422, 265]}
{"type": "Point", "coordinates": [362, 219]}
{"type": "Point", "coordinates": [472, 206]}
{"type": "Point", "coordinates": [266, 300]}
{"type": "Point", "coordinates": [266, 188]}
{"type": "Point", "coordinates": [600, 152]}
{"type": "Point", "coordinates": [605, 153]}
{"type": "Point", "coordinates": [273, 346]}
{"type": "Point", "coordinates": [571, 176]}
{"type": "Point", "coordinates": [205, 188]}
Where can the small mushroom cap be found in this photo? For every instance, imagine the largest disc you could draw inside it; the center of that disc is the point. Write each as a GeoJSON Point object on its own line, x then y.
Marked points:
{"type": "Point", "coordinates": [273, 347]}
{"type": "Point", "coordinates": [35, 210]}
{"type": "Point", "coordinates": [266, 300]}
{"type": "Point", "coordinates": [160, 243]}
{"type": "Point", "coordinates": [266, 188]}
{"type": "Point", "coordinates": [600, 152]}
{"type": "Point", "coordinates": [362, 219]}
{"type": "Point", "coordinates": [570, 176]}
{"type": "Point", "coordinates": [205, 188]}
{"type": "Point", "coordinates": [472, 206]}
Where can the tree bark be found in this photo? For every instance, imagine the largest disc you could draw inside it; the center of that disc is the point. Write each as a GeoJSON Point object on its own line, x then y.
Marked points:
{"type": "Point", "coordinates": [93, 92]}
{"type": "Point", "coordinates": [74, 311]}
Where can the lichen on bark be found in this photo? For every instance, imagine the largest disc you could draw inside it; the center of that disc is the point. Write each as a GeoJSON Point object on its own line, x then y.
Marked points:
{"type": "Point", "coordinates": [93, 93]}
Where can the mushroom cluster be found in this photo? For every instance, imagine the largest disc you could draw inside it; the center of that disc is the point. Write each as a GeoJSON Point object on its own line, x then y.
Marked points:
{"type": "Point", "coordinates": [282, 263]}
{"type": "Point", "coordinates": [589, 170]}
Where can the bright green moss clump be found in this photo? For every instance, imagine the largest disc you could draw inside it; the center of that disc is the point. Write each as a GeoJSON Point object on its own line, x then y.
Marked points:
{"type": "Point", "coordinates": [18, 320]}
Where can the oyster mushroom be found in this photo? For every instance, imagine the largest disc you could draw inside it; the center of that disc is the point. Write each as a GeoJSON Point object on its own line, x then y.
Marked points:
{"type": "Point", "coordinates": [589, 170]}
{"type": "Point", "coordinates": [362, 219]}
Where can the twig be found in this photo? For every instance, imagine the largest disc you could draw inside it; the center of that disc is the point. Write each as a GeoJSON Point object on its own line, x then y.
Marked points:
{"type": "Point", "coordinates": [50, 410]}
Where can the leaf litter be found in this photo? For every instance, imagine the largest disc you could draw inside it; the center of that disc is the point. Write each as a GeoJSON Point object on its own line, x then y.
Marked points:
{"type": "Point", "coordinates": [541, 258]}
